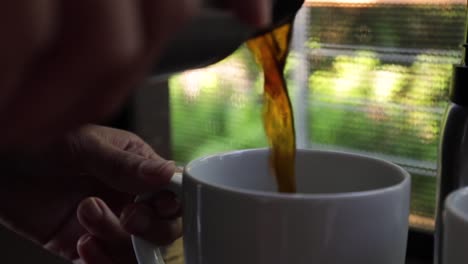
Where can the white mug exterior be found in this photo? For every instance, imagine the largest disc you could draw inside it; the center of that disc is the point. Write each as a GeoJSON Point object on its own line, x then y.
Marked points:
{"type": "Point", "coordinates": [455, 222]}
{"type": "Point", "coordinates": [348, 209]}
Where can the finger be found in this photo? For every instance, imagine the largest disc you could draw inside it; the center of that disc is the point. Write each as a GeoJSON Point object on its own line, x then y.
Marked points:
{"type": "Point", "coordinates": [166, 205]}
{"type": "Point", "coordinates": [162, 19]}
{"type": "Point", "coordinates": [123, 170]}
{"type": "Point", "coordinates": [98, 219]}
{"type": "Point", "coordinates": [32, 31]}
{"type": "Point", "coordinates": [108, 47]}
{"type": "Point", "coordinates": [256, 12]}
{"type": "Point", "coordinates": [91, 252]}
{"type": "Point", "coordinates": [142, 221]}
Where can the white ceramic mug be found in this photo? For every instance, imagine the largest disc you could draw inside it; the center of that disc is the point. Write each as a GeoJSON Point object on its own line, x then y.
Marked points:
{"type": "Point", "coordinates": [455, 224]}
{"type": "Point", "coordinates": [348, 209]}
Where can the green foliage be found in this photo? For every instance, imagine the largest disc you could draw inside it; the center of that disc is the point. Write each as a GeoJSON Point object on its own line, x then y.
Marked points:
{"type": "Point", "coordinates": [210, 114]}
{"type": "Point", "coordinates": [362, 103]}
{"type": "Point", "coordinates": [357, 102]}
{"type": "Point", "coordinates": [408, 26]}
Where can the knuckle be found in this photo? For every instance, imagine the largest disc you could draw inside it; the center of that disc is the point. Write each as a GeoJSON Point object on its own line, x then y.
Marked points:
{"type": "Point", "coordinates": [168, 233]}
{"type": "Point", "coordinates": [40, 36]}
{"type": "Point", "coordinates": [34, 24]}
{"type": "Point", "coordinates": [35, 38]}
{"type": "Point", "coordinates": [40, 27]}
{"type": "Point", "coordinates": [134, 144]}
{"type": "Point", "coordinates": [123, 54]}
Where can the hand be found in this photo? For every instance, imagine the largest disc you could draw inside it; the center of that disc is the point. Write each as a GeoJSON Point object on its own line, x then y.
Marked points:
{"type": "Point", "coordinates": [67, 63]}
{"type": "Point", "coordinates": [76, 197]}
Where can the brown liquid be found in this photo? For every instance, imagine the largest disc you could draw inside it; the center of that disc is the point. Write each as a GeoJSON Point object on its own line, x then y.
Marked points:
{"type": "Point", "coordinates": [270, 51]}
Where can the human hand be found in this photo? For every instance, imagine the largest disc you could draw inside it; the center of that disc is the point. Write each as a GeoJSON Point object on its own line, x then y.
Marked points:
{"type": "Point", "coordinates": [76, 197]}
{"type": "Point", "coordinates": [67, 63]}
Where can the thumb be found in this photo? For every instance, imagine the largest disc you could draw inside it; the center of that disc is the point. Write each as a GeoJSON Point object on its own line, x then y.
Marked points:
{"type": "Point", "coordinates": [126, 171]}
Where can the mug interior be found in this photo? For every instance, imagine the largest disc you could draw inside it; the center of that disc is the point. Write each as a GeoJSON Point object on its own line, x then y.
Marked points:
{"type": "Point", "coordinates": [317, 172]}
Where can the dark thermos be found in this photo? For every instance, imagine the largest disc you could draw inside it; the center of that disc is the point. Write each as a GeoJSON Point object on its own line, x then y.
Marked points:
{"type": "Point", "coordinates": [213, 35]}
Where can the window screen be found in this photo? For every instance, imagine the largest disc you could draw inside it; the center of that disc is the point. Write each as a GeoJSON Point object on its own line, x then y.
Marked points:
{"type": "Point", "coordinates": [367, 76]}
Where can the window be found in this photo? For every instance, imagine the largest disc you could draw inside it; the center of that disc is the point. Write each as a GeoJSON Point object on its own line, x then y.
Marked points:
{"type": "Point", "coordinates": [368, 76]}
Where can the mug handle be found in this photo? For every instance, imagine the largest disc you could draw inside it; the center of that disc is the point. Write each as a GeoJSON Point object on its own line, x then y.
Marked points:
{"type": "Point", "coordinates": [145, 252]}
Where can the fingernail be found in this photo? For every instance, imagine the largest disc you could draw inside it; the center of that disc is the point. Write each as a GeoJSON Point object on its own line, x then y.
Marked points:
{"type": "Point", "coordinates": [179, 169]}
{"type": "Point", "coordinates": [91, 210]}
{"type": "Point", "coordinates": [167, 205]}
{"type": "Point", "coordinates": [134, 221]}
{"type": "Point", "coordinates": [84, 240]}
{"type": "Point", "coordinates": [157, 172]}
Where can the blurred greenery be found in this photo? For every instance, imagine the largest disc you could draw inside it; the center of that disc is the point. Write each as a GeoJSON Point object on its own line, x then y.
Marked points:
{"type": "Point", "coordinates": [397, 106]}
{"type": "Point", "coordinates": [357, 100]}
{"type": "Point", "coordinates": [210, 114]}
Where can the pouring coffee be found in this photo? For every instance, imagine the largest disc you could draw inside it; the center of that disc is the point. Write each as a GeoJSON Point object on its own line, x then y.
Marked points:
{"type": "Point", "coordinates": [215, 34]}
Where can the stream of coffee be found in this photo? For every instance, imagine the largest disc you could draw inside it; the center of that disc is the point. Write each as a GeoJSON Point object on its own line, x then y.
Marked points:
{"type": "Point", "coordinates": [270, 51]}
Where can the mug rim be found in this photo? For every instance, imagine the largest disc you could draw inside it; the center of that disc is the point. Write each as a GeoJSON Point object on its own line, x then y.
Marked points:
{"type": "Point", "coordinates": [406, 178]}
{"type": "Point", "coordinates": [452, 208]}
